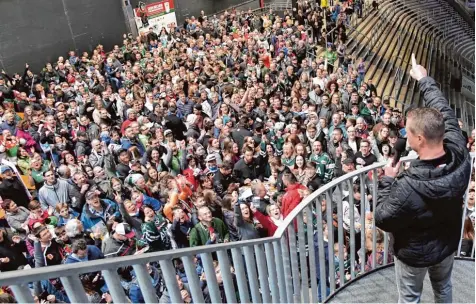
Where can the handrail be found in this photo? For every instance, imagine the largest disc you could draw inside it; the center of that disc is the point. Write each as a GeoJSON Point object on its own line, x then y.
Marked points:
{"type": "Point", "coordinates": [35, 274]}
{"type": "Point", "coordinates": [281, 260]}
{"type": "Point", "coordinates": [291, 216]}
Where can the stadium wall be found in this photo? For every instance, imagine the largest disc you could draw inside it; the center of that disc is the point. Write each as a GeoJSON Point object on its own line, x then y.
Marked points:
{"type": "Point", "coordinates": [38, 31]}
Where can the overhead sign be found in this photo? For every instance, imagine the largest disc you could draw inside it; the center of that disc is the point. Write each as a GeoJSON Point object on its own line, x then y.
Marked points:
{"type": "Point", "coordinates": [156, 15]}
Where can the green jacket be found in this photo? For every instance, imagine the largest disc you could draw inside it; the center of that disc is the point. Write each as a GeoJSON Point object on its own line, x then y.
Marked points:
{"type": "Point", "coordinates": [199, 235]}
{"type": "Point", "coordinates": [325, 166]}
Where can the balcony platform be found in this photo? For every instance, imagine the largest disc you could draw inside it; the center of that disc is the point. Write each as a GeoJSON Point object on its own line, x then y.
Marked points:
{"type": "Point", "coordinates": [379, 286]}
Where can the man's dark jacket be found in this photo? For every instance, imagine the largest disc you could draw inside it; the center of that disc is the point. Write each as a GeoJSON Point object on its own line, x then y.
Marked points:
{"type": "Point", "coordinates": [422, 207]}
{"type": "Point", "coordinates": [177, 126]}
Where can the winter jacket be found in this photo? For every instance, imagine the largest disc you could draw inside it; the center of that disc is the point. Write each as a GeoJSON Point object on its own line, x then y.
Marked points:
{"type": "Point", "coordinates": [229, 220]}
{"type": "Point", "coordinates": [94, 253]}
{"type": "Point", "coordinates": [83, 148]}
{"type": "Point", "coordinates": [421, 207]}
{"type": "Point", "coordinates": [245, 171]}
{"type": "Point", "coordinates": [126, 143]}
{"type": "Point", "coordinates": [200, 234]}
{"type": "Point", "coordinates": [266, 221]}
{"type": "Point", "coordinates": [13, 189]}
{"type": "Point", "coordinates": [13, 251]}
{"type": "Point", "coordinates": [156, 234]}
{"type": "Point", "coordinates": [114, 248]}
{"type": "Point", "coordinates": [291, 199]}
{"type": "Point", "coordinates": [246, 229]}
{"type": "Point", "coordinates": [30, 141]}
{"type": "Point", "coordinates": [51, 195]}
{"type": "Point", "coordinates": [93, 221]}
{"type": "Point", "coordinates": [180, 232]}
{"type": "Point", "coordinates": [16, 220]}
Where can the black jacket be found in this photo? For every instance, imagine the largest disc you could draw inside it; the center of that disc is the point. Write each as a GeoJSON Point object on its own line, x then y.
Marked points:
{"type": "Point", "coordinates": [422, 207]}
{"type": "Point", "coordinates": [244, 171]}
{"type": "Point", "coordinates": [13, 189]}
{"type": "Point", "coordinates": [177, 126]}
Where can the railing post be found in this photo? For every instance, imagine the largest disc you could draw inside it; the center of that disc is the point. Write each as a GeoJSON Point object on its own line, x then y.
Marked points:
{"type": "Point", "coordinates": [170, 279]}
{"type": "Point", "coordinates": [22, 293]}
{"type": "Point", "coordinates": [74, 289]}
{"type": "Point", "coordinates": [114, 284]}
{"type": "Point", "coordinates": [194, 283]}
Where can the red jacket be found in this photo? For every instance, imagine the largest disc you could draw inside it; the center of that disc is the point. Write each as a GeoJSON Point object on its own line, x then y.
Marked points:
{"type": "Point", "coordinates": [291, 199]}
{"type": "Point", "coordinates": [267, 223]}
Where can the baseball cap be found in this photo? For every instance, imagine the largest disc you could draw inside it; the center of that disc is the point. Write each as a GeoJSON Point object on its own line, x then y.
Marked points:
{"type": "Point", "coordinates": [347, 161]}
{"type": "Point", "coordinates": [210, 157]}
{"type": "Point", "coordinates": [4, 169]}
{"type": "Point", "coordinates": [124, 229]}
{"type": "Point", "coordinates": [167, 132]}
{"type": "Point", "coordinates": [91, 195]}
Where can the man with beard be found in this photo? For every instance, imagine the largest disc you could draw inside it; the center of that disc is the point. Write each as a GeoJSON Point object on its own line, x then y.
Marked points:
{"type": "Point", "coordinates": [223, 179]}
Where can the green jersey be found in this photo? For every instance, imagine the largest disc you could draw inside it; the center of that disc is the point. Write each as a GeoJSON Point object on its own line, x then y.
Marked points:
{"type": "Point", "coordinates": [288, 161]}
{"type": "Point", "coordinates": [324, 165]}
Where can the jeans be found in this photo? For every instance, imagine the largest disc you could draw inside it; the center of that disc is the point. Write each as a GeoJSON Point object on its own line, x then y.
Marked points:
{"type": "Point", "coordinates": [410, 281]}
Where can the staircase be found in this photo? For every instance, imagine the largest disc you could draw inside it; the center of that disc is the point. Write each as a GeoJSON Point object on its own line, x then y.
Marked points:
{"type": "Point", "coordinates": [434, 32]}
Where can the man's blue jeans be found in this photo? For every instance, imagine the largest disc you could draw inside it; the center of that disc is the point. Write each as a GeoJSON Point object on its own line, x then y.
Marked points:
{"type": "Point", "coordinates": [410, 281]}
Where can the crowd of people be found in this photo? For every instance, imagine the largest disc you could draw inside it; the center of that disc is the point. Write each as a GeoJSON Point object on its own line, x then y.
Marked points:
{"type": "Point", "coordinates": [207, 133]}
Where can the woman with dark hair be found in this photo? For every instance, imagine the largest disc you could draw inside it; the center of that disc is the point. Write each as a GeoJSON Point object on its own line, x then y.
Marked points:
{"type": "Point", "coordinates": [244, 222]}
{"type": "Point", "coordinates": [299, 169]}
{"type": "Point", "coordinates": [155, 230]}
{"type": "Point", "coordinates": [119, 189]}
{"type": "Point", "coordinates": [70, 161]}
{"type": "Point", "coordinates": [157, 157]}
{"type": "Point", "coordinates": [27, 141]}
{"type": "Point", "coordinates": [192, 172]}
{"type": "Point", "coordinates": [229, 215]}
{"type": "Point", "coordinates": [468, 238]}
{"type": "Point", "coordinates": [24, 161]}
{"type": "Point", "coordinates": [152, 181]}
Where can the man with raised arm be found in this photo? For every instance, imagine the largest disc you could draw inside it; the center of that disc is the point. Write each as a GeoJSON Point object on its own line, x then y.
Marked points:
{"type": "Point", "coordinates": [422, 206]}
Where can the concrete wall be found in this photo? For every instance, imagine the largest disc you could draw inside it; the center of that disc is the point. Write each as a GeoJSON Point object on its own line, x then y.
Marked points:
{"type": "Point", "coordinates": [38, 31]}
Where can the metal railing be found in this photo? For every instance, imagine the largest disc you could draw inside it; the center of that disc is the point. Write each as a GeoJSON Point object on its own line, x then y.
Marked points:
{"type": "Point", "coordinates": [289, 267]}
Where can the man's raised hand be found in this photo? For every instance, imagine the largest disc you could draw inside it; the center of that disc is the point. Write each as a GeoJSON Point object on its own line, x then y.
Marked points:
{"type": "Point", "coordinates": [417, 72]}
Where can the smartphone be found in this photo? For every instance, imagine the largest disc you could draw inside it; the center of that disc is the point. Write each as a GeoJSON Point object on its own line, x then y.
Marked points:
{"type": "Point", "coordinates": [256, 201]}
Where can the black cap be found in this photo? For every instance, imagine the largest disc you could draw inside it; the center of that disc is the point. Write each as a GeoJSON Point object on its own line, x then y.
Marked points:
{"type": "Point", "coordinates": [347, 161]}
{"type": "Point", "coordinates": [198, 107]}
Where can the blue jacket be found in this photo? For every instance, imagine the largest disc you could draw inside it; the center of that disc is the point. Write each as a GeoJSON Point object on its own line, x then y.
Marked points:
{"type": "Point", "coordinates": [94, 253]}
{"type": "Point", "coordinates": [91, 221]}
{"type": "Point", "coordinates": [152, 202]}
{"type": "Point", "coordinates": [126, 143]}
{"type": "Point", "coordinates": [5, 126]}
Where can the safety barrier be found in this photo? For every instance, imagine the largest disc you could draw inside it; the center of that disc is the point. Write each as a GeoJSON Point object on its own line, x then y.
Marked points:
{"type": "Point", "coordinates": [284, 268]}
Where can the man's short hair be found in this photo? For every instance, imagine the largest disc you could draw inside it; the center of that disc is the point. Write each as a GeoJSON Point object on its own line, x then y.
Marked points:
{"type": "Point", "coordinates": [428, 122]}
{"type": "Point", "coordinates": [79, 245]}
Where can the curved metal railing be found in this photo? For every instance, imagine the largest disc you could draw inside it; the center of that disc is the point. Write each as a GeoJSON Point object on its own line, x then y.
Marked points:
{"type": "Point", "coordinates": [289, 267]}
